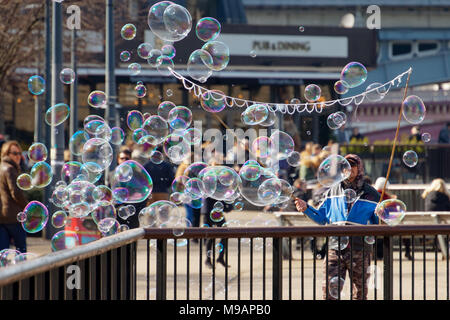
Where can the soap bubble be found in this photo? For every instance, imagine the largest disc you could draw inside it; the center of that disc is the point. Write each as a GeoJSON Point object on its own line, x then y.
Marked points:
{"type": "Point", "coordinates": [180, 118]}
{"type": "Point", "coordinates": [207, 29]}
{"type": "Point", "coordinates": [293, 159]}
{"type": "Point", "coordinates": [335, 285]}
{"type": "Point", "coordinates": [125, 56]}
{"type": "Point", "coordinates": [70, 171]}
{"type": "Point", "coordinates": [169, 21]}
{"type": "Point", "coordinates": [103, 210]}
{"type": "Point", "coordinates": [61, 112]}
{"type": "Point", "coordinates": [238, 206]}
{"type": "Point", "coordinates": [98, 151]}
{"type": "Point", "coordinates": [269, 190]}
{"type": "Point", "coordinates": [144, 50]}
{"type": "Point", "coordinates": [216, 215]}
{"type": "Point", "coordinates": [97, 99]}
{"type": "Point", "coordinates": [156, 127]}
{"type": "Point", "coordinates": [333, 121]}
{"type": "Point", "coordinates": [176, 148]}
{"type": "Point", "coordinates": [253, 54]}
{"type": "Point", "coordinates": [128, 31]}
{"type": "Point", "coordinates": [8, 257]}
{"type": "Point", "coordinates": [262, 147]}
{"type": "Point", "coordinates": [140, 90]}
{"type": "Point", "coordinates": [164, 65]}
{"type": "Point", "coordinates": [377, 94]}
{"type": "Point", "coordinates": [117, 136]}
{"type": "Point", "coordinates": [138, 134]}
{"type": "Point", "coordinates": [123, 173]}
{"type": "Point", "coordinates": [350, 195]}
{"type": "Point", "coordinates": [135, 120]}
{"type": "Point", "coordinates": [338, 242]}
{"type": "Point", "coordinates": [193, 136]}
{"type": "Point", "coordinates": [21, 217]}
{"type": "Point", "coordinates": [369, 240]}
{"type": "Point", "coordinates": [138, 188]}
{"type": "Point", "coordinates": [37, 152]}
{"type": "Point", "coordinates": [283, 144]}
{"type": "Point", "coordinates": [64, 240]}
{"type": "Point", "coordinates": [426, 137]}
{"type": "Point", "coordinates": [59, 219]}
{"type": "Point", "coordinates": [77, 142]}
{"type": "Point", "coordinates": [169, 51]}
{"type": "Point", "coordinates": [391, 211]}
{"type": "Point", "coordinates": [194, 188]}
{"type": "Point", "coordinates": [333, 170]}
{"type": "Point", "coordinates": [255, 114]}
{"type": "Point", "coordinates": [249, 187]}
{"type": "Point", "coordinates": [36, 217]}
{"type": "Point", "coordinates": [41, 174]}
{"type": "Point", "coordinates": [220, 54]}
{"type": "Point", "coordinates": [213, 101]}
{"type": "Point", "coordinates": [106, 224]}
{"type": "Point", "coordinates": [312, 92]}
{"type": "Point", "coordinates": [24, 182]}
{"type": "Point", "coordinates": [340, 87]}
{"type": "Point", "coordinates": [270, 120]}
{"type": "Point", "coordinates": [36, 85]}
{"type": "Point", "coordinates": [164, 109]}
{"type": "Point", "coordinates": [410, 158]}
{"type": "Point", "coordinates": [157, 157]}
{"type": "Point", "coordinates": [135, 68]}
{"type": "Point", "coordinates": [67, 76]}
{"type": "Point", "coordinates": [414, 109]}
{"type": "Point", "coordinates": [220, 182]}
{"type": "Point", "coordinates": [354, 74]}
{"type": "Point", "coordinates": [153, 58]}
{"type": "Point", "coordinates": [198, 65]}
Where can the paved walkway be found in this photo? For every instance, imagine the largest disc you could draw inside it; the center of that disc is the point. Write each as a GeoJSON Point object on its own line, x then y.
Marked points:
{"type": "Point", "coordinates": [297, 284]}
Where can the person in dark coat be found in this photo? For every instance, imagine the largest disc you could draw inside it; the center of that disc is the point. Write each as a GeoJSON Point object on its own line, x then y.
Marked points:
{"type": "Point", "coordinates": [437, 197]}
{"type": "Point", "coordinates": [13, 199]}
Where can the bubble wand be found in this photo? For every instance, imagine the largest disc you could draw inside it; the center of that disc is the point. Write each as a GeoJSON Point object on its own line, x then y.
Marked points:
{"type": "Point", "coordinates": [395, 139]}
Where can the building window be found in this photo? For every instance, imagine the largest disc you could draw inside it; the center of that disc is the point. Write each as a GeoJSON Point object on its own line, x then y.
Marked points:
{"type": "Point", "coordinates": [427, 47]}
{"type": "Point", "coordinates": [401, 49]}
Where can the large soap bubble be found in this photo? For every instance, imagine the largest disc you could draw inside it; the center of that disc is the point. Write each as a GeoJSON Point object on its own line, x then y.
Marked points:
{"type": "Point", "coordinates": [61, 112]}
{"type": "Point", "coordinates": [283, 144]}
{"type": "Point", "coordinates": [169, 21]}
{"type": "Point", "coordinates": [255, 114]}
{"type": "Point", "coordinates": [252, 179]}
{"type": "Point", "coordinates": [198, 65]}
{"type": "Point", "coordinates": [41, 174]}
{"type": "Point", "coordinates": [64, 240]}
{"type": "Point", "coordinates": [137, 189]}
{"type": "Point", "coordinates": [354, 74]}
{"type": "Point", "coordinates": [391, 211]}
{"type": "Point", "coordinates": [414, 109]}
{"type": "Point", "coordinates": [220, 183]}
{"type": "Point", "coordinates": [220, 54]}
{"type": "Point", "coordinates": [98, 151]}
{"type": "Point", "coordinates": [157, 127]}
{"type": "Point", "coordinates": [207, 29]}
{"type": "Point", "coordinates": [213, 101]}
{"type": "Point", "coordinates": [36, 217]}
{"type": "Point", "coordinates": [333, 170]}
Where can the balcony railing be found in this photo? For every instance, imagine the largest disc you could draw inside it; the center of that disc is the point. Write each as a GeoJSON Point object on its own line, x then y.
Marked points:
{"type": "Point", "coordinates": [170, 264]}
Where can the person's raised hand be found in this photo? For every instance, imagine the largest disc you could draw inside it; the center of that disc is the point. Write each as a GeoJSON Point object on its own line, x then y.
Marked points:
{"type": "Point", "coordinates": [300, 205]}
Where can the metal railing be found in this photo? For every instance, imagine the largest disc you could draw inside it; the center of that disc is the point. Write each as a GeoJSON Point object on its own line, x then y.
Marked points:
{"type": "Point", "coordinates": [170, 265]}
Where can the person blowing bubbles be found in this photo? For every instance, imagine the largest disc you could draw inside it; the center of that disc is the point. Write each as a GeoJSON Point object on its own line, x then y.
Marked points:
{"type": "Point", "coordinates": [336, 210]}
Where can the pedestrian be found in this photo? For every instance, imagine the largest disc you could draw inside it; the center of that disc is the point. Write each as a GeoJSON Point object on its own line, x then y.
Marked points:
{"type": "Point", "coordinates": [355, 257]}
{"type": "Point", "coordinates": [13, 199]}
{"type": "Point", "coordinates": [444, 134]}
{"type": "Point", "coordinates": [437, 196]}
{"type": "Point", "coordinates": [162, 175]}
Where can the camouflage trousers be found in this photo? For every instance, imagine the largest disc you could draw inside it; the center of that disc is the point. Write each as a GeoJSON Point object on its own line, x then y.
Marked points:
{"type": "Point", "coordinates": [338, 264]}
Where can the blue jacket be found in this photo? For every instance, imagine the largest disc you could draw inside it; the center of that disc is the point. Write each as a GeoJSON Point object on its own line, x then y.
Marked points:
{"type": "Point", "coordinates": [335, 210]}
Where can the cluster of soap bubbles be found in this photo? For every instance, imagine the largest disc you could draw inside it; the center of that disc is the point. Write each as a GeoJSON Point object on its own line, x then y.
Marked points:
{"type": "Point", "coordinates": [10, 257]}
{"type": "Point", "coordinates": [41, 173]}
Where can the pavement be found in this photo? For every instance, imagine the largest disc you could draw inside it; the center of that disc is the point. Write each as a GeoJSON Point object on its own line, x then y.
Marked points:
{"type": "Point", "coordinates": [302, 279]}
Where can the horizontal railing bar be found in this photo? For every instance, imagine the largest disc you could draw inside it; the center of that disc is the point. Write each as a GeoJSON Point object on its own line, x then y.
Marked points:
{"type": "Point", "coordinates": [302, 231]}
{"type": "Point", "coordinates": [57, 259]}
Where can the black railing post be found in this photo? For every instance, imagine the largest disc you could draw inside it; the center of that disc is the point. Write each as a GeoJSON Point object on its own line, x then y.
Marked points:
{"type": "Point", "coordinates": [277, 271]}
{"type": "Point", "coordinates": [388, 268]}
{"type": "Point", "coordinates": [161, 269]}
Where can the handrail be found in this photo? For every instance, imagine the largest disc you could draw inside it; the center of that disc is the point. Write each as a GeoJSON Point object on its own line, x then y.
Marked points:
{"type": "Point", "coordinates": [303, 231]}
{"type": "Point", "coordinates": [57, 259]}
